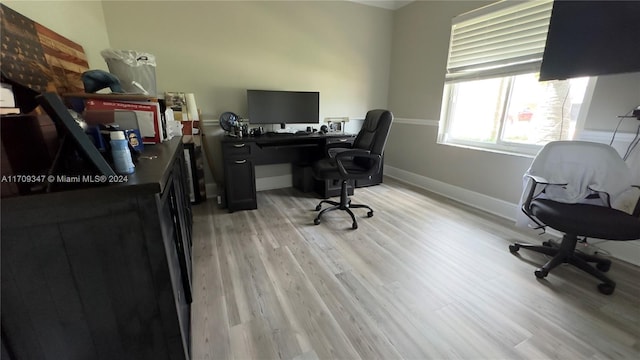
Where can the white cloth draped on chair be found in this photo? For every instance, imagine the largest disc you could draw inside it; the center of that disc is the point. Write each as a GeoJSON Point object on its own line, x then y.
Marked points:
{"type": "Point", "coordinates": [587, 168]}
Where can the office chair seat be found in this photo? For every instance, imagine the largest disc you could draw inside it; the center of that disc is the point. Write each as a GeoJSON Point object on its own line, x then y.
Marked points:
{"type": "Point", "coordinates": [586, 220]}
{"type": "Point", "coordinates": [580, 220]}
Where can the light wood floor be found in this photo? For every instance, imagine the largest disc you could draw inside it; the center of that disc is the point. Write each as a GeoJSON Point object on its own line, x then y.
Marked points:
{"type": "Point", "coordinates": [424, 278]}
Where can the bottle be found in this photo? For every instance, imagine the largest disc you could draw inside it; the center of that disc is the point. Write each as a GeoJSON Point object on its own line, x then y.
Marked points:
{"type": "Point", "coordinates": [120, 153]}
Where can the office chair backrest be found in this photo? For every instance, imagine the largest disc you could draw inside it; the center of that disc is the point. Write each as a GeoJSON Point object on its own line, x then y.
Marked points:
{"type": "Point", "coordinates": [374, 132]}
{"type": "Point", "coordinates": [584, 166]}
{"type": "Point", "coordinates": [373, 135]}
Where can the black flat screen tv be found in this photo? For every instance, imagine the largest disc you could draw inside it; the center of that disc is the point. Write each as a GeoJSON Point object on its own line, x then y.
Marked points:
{"type": "Point", "coordinates": [283, 107]}
{"type": "Point", "coordinates": [589, 38]}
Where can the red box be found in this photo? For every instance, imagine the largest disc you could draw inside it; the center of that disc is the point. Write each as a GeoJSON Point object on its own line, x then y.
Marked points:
{"type": "Point", "coordinates": [150, 128]}
{"type": "Point", "coordinates": [188, 126]}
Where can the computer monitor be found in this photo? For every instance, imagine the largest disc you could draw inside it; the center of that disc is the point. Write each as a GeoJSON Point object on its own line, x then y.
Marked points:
{"type": "Point", "coordinates": [283, 107]}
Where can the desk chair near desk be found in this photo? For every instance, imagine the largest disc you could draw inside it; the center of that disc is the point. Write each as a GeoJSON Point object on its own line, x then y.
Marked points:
{"type": "Point", "coordinates": [574, 187]}
{"type": "Point", "coordinates": [359, 161]}
{"type": "Point", "coordinates": [241, 155]}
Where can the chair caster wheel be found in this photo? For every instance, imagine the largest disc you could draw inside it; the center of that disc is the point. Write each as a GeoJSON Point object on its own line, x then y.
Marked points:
{"type": "Point", "coordinates": [370, 214]}
{"type": "Point", "coordinates": [604, 267]}
{"type": "Point", "coordinates": [514, 248]}
{"type": "Point", "coordinates": [318, 207]}
{"type": "Point", "coordinates": [606, 289]}
{"type": "Point", "coordinates": [316, 221]}
{"type": "Point", "coordinates": [354, 226]}
{"type": "Point", "coordinates": [541, 273]}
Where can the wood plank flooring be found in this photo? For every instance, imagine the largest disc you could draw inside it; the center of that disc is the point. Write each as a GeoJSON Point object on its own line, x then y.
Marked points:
{"type": "Point", "coordinates": [424, 278]}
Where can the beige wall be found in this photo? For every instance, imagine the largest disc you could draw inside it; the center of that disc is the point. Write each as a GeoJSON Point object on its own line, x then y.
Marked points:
{"type": "Point", "coordinates": [420, 46]}
{"type": "Point", "coordinates": [218, 49]}
{"type": "Point", "coordinates": [421, 33]}
{"type": "Point", "coordinates": [614, 95]}
{"type": "Point", "coordinates": [79, 21]}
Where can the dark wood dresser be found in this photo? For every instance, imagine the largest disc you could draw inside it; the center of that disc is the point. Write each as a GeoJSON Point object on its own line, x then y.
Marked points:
{"type": "Point", "coordinates": [101, 272]}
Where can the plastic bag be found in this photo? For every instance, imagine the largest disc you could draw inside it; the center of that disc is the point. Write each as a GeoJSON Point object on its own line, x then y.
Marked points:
{"type": "Point", "coordinates": [136, 70]}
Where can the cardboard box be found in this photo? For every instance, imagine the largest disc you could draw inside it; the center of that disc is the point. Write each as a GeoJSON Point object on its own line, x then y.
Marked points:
{"type": "Point", "coordinates": [148, 115]}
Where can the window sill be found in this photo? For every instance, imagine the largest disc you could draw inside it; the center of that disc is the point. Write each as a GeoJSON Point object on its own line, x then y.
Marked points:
{"type": "Point", "coordinates": [496, 150]}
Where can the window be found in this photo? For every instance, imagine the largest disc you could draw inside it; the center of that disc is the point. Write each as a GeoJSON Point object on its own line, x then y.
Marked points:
{"type": "Point", "coordinates": [492, 97]}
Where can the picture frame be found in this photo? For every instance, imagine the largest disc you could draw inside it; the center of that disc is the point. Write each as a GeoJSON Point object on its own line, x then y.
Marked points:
{"type": "Point", "coordinates": [336, 124]}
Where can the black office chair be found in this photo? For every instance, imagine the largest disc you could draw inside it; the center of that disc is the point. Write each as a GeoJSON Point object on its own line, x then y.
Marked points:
{"type": "Point", "coordinates": [360, 161]}
{"type": "Point", "coordinates": [552, 176]}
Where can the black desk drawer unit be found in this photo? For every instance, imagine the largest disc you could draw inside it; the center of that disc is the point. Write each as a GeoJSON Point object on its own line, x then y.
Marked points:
{"type": "Point", "coordinates": [239, 175]}
{"type": "Point", "coordinates": [242, 149]}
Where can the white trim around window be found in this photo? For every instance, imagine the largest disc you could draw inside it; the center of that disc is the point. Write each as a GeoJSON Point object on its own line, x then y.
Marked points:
{"type": "Point", "coordinates": [492, 99]}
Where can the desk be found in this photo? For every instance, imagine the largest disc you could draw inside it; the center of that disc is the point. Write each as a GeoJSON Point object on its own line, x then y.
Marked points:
{"type": "Point", "coordinates": [241, 155]}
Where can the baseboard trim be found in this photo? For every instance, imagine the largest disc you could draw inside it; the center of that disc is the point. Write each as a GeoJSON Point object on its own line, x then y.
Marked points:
{"type": "Point", "coordinates": [212, 190]}
{"type": "Point", "coordinates": [474, 199]}
{"type": "Point", "coordinates": [628, 251]}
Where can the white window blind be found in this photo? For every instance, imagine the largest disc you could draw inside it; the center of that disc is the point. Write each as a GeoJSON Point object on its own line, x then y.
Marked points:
{"type": "Point", "coordinates": [503, 38]}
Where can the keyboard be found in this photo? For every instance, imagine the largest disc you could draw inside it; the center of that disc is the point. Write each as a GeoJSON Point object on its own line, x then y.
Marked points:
{"type": "Point", "coordinates": [302, 132]}
{"type": "Point", "coordinates": [278, 134]}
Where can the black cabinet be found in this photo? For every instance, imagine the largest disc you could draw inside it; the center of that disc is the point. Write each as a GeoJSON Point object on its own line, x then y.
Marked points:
{"type": "Point", "coordinates": [239, 175]}
{"type": "Point", "coordinates": [375, 179]}
{"type": "Point", "coordinates": [101, 272]}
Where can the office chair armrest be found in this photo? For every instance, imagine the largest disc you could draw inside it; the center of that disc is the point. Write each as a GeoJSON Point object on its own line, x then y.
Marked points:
{"type": "Point", "coordinates": [539, 180]}
{"type": "Point", "coordinates": [332, 152]}
{"type": "Point", "coordinates": [358, 153]}
{"type": "Point", "coordinates": [332, 148]}
{"type": "Point", "coordinates": [342, 154]}
{"type": "Point", "coordinates": [636, 211]}
{"type": "Point", "coordinates": [602, 194]}
{"type": "Point", "coordinates": [535, 181]}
